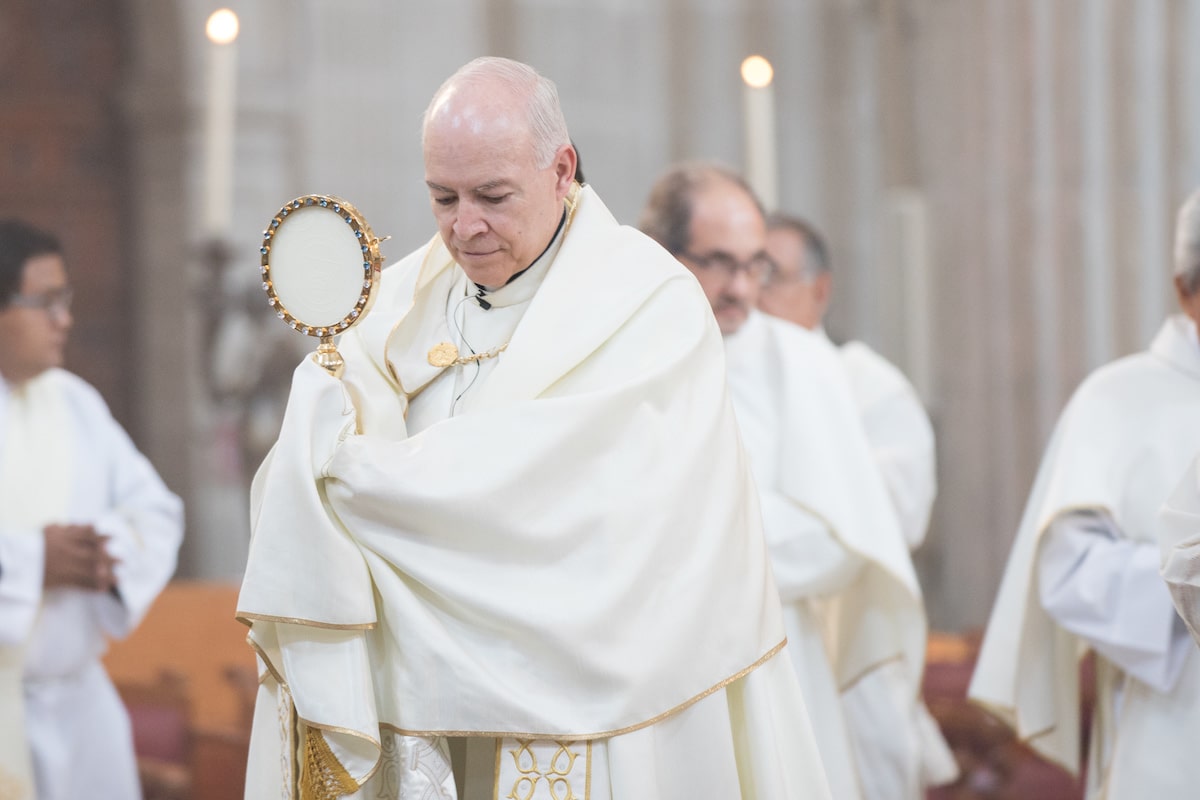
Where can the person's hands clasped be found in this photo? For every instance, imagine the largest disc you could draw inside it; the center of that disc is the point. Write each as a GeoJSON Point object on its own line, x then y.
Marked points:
{"type": "Point", "coordinates": [76, 555]}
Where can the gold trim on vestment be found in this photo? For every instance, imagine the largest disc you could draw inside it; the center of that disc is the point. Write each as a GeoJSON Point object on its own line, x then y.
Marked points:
{"type": "Point", "coordinates": [496, 769]}
{"type": "Point", "coordinates": [1092, 508]}
{"type": "Point", "coordinates": [249, 619]}
{"type": "Point", "coordinates": [850, 684]}
{"type": "Point", "coordinates": [579, 737]}
{"type": "Point", "coordinates": [1004, 713]}
{"type": "Point", "coordinates": [257, 648]}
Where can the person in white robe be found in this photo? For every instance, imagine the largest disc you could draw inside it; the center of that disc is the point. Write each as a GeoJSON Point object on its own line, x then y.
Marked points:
{"type": "Point", "coordinates": [1083, 574]}
{"type": "Point", "coordinates": [1179, 543]}
{"type": "Point", "coordinates": [849, 593]}
{"type": "Point", "coordinates": [899, 749]}
{"type": "Point", "coordinates": [516, 552]}
{"type": "Point", "coordinates": [88, 538]}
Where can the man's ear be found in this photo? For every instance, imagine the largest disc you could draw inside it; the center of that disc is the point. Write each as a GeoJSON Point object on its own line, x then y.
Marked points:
{"type": "Point", "coordinates": [1189, 302]}
{"type": "Point", "coordinates": [823, 290]}
{"type": "Point", "coordinates": [564, 169]}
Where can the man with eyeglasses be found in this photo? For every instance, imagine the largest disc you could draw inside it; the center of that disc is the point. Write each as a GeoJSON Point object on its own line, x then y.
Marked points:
{"type": "Point", "coordinates": [88, 538]}
{"type": "Point", "coordinates": [850, 596]}
{"type": "Point", "coordinates": [896, 741]}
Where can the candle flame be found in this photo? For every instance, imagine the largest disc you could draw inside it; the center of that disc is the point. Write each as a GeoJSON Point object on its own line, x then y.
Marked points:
{"type": "Point", "coordinates": [757, 72]}
{"type": "Point", "coordinates": [222, 26]}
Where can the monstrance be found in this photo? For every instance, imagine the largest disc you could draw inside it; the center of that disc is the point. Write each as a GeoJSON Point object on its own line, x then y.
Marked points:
{"type": "Point", "coordinates": [320, 270]}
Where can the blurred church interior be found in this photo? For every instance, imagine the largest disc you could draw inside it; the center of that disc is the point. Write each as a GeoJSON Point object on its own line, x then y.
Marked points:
{"type": "Point", "coordinates": [997, 180]}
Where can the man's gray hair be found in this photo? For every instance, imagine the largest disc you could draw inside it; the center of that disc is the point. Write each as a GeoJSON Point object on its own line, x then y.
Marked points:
{"type": "Point", "coordinates": [1187, 243]}
{"type": "Point", "coordinates": [547, 125]}
{"type": "Point", "coordinates": [667, 217]}
{"type": "Point", "coordinates": [816, 254]}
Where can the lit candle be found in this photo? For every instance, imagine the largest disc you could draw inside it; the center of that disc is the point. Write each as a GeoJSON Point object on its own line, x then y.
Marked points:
{"type": "Point", "coordinates": [222, 30]}
{"type": "Point", "coordinates": [759, 106]}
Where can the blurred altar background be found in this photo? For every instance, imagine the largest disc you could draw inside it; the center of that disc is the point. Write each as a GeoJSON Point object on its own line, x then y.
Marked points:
{"type": "Point", "coordinates": [997, 179]}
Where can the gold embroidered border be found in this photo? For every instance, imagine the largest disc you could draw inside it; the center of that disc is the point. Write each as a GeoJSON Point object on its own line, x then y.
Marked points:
{"type": "Point", "coordinates": [579, 737]}
{"type": "Point", "coordinates": [317, 726]}
{"type": "Point", "coordinates": [250, 619]}
{"type": "Point", "coordinates": [1005, 713]}
{"type": "Point", "coordinates": [587, 775]}
{"type": "Point", "coordinates": [257, 648]}
{"type": "Point", "coordinates": [867, 670]}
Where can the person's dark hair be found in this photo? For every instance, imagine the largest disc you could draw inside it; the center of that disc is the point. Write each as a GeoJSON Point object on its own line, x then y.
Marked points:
{"type": "Point", "coordinates": [578, 165]}
{"type": "Point", "coordinates": [816, 253]}
{"type": "Point", "coordinates": [667, 216]}
{"type": "Point", "coordinates": [20, 242]}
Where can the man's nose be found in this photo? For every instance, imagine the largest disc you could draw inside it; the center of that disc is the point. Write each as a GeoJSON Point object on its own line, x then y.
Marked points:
{"type": "Point", "coordinates": [61, 317]}
{"type": "Point", "coordinates": [742, 284]}
{"type": "Point", "coordinates": [469, 222]}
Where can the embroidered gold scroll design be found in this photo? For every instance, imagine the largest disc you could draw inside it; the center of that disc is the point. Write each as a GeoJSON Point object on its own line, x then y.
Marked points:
{"type": "Point", "coordinates": [557, 774]}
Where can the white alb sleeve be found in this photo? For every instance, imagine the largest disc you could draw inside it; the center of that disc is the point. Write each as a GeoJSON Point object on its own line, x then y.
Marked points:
{"type": "Point", "coordinates": [1106, 588]}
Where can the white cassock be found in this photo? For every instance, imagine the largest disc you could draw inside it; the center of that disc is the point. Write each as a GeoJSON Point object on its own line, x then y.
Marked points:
{"type": "Point", "coordinates": [900, 434]}
{"type": "Point", "coordinates": [65, 460]}
{"type": "Point", "coordinates": [897, 744]}
{"type": "Point", "coordinates": [851, 602]}
{"type": "Point", "coordinates": [1083, 575]}
{"type": "Point", "coordinates": [545, 570]}
{"type": "Point", "coordinates": [1179, 543]}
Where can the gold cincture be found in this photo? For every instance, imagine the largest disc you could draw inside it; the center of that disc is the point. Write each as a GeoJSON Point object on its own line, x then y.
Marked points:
{"type": "Point", "coordinates": [445, 354]}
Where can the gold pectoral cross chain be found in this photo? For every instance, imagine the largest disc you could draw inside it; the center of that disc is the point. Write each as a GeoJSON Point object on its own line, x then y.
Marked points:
{"type": "Point", "coordinates": [445, 354]}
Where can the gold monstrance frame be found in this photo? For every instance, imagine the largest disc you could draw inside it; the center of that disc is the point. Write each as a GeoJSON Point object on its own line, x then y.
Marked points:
{"type": "Point", "coordinates": [320, 269]}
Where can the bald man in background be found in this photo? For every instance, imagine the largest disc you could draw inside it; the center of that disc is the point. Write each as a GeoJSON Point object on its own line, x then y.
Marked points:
{"type": "Point", "coordinates": [850, 596]}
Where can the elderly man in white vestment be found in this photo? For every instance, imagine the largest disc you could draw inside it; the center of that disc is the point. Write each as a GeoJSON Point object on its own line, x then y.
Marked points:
{"type": "Point", "coordinates": [850, 596]}
{"type": "Point", "coordinates": [88, 538]}
{"type": "Point", "coordinates": [1084, 571]}
{"type": "Point", "coordinates": [897, 744]}
{"type": "Point", "coordinates": [532, 568]}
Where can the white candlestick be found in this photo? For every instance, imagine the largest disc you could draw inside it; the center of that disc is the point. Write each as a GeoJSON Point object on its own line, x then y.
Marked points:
{"type": "Point", "coordinates": [219, 116]}
{"type": "Point", "coordinates": [759, 109]}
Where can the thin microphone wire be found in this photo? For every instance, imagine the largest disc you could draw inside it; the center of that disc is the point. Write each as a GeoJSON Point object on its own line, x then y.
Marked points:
{"type": "Point", "coordinates": [458, 328]}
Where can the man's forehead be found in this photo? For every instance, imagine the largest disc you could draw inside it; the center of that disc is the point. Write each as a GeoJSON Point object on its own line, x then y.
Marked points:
{"type": "Point", "coordinates": [475, 109]}
{"type": "Point", "coordinates": [787, 243]}
{"type": "Point", "coordinates": [42, 271]}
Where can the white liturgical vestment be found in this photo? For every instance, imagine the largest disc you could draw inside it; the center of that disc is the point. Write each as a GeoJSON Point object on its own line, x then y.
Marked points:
{"type": "Point", "coordinates": [851, 602]}
{"type": "Point", "coordinates": [1179, 543]}
{"type": "Point", "coordinates": [559, 560]}
{"type": "Point", "coordinates": [900, 434]}
{"type": "Point", "coordinates": [898, 746]}
{"type": "Point", "coordinates": [64, 460]}
{"type": "Point", "coordinates": [1081, 576]}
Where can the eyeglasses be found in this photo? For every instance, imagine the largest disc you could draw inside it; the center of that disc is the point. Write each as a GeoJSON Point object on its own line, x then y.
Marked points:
{"type": "Point", "coordinates": [55, 301]}
{"type": "Point", "coordinates": [759, 267]}
{"type": "Point", "coordinates": [780, 278]}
